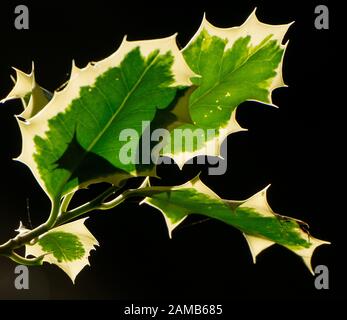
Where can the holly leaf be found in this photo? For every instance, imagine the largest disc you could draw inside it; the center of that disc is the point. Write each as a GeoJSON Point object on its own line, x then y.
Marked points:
{"type": "Point", "coordinates": [67, 246]}
{"type": "Point", "coordinates": [34, 98]}
{"type": "Point", "coordinates": [234, 65]}
{"type": "Point", "coordinates": [253, 217]}
{"type": "Point", "coordinates": [81, 135]}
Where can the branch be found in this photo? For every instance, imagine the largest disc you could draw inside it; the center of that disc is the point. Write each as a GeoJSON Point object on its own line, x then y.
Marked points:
{"type": "Point", "coordinates": [23, 238]}
{"type": "Point", "coordinates": [59, 216]}
{"type": "Point", "coordinates": [26, 261]}
{"type": "Point", "coordinates": [99, 204]}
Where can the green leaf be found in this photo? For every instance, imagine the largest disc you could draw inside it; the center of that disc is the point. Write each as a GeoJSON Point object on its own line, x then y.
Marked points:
{"type": "Point", "coordinates": [234, 65]}
{"type": "Point", "coordinates": [253, 217]}
{"type": "Point", "coordinates": [75, 140]}
{"type": "Point", "coordinates": [67, 246]}
{"type": "Point", "coordinates": [64, 246]}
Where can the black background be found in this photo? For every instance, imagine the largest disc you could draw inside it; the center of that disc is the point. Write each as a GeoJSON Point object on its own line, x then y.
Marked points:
{"type": "Point", "coordinates": [290, 147]}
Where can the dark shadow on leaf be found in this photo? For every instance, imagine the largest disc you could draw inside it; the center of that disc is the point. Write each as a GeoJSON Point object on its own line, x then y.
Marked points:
{"type": "Point", "coordinates": [168, 118]}
{"type": "Point", "coordinates": [84, 165]}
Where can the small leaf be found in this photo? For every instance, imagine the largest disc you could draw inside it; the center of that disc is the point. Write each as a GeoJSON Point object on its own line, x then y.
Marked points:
{"type": "Point", "coordinates": [253, 217]}
{"type": "Point", "coordinates": [22, 229]}
{"type": "Point", "coordinates": [67, 246]}
{"type": "Point", "coordinates": [34, 97]}
{"type": "Point", "coordinates": [64, 246]}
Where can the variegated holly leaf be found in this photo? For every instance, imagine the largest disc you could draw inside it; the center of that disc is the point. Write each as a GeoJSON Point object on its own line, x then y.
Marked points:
{"type": "Point", "coordinates": [67, 246]}
{"type": "Point", "coordinates": [90, 130]}
{"type": "Point", "coordinates": [234, 65]}
{"type": "Point", "coordinates": [34, 98]}
{"type": "Point", "coordinates": [253, 217]}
